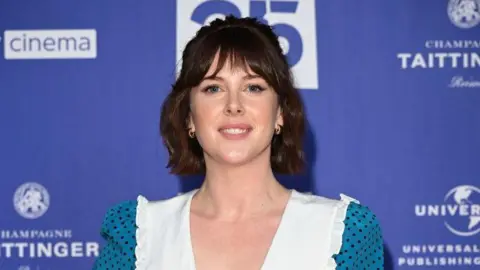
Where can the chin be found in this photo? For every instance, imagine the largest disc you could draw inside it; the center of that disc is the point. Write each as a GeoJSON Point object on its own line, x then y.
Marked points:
{"type": "Point", "coordinates": [235, 157]}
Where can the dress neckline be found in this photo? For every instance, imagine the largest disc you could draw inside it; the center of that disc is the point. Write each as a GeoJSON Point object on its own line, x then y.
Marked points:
{"type": "Point", "coordinates": [271, 250]}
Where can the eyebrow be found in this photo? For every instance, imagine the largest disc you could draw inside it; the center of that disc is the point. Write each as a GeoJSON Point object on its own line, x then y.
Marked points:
{"type": "Point", "coordinates": [220, 78]}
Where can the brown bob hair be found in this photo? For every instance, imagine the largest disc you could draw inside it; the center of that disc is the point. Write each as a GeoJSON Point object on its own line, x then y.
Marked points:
{"type": "Point", "coordinates": [242, 42]}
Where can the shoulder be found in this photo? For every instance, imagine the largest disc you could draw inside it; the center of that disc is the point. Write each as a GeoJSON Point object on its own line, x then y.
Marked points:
{"type": "Point", "coordinates": [353, 230]}
{"type": "Point", "coordinates": [122, 219]}
{"type": "Point", "coordinates": [361, 227]}
{"type": "Point", "coordinates": [327, 207]}
{"type": "Point", "coordinates": [348, 211]}
{"type": "Point", "coordinates": [128, 226]}
{"type": "Point", "coordinates": [118, 229]}
{"type": "Point", "coordinates": [119, 219]}
{"type": "Point", "coordinates": [362, 241]}
{"type": "Point", "coordinates": [360, 217]}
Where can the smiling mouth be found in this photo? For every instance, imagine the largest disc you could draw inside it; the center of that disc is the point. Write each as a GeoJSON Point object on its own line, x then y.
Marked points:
{"type": "Point", "coordinates": [234, 131]}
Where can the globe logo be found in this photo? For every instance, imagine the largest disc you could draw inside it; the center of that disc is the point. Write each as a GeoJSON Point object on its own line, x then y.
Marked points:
{"type": "Point", "coordinates": [31, 200]}
{"type": "Point", "coordinates": [465, 214]}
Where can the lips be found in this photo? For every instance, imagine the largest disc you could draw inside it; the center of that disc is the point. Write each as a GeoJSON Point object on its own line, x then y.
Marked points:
{"type": "Point", "coordinates": [235, 131]}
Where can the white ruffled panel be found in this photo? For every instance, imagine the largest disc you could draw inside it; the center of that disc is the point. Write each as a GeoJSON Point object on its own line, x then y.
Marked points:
{"type": "Point", "coordinates": [140, 252]}
{"type": "Point", "coordinates": [337, 228]}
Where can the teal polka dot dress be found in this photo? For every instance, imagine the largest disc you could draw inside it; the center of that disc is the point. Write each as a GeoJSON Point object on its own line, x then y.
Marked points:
{"type": "Point", "coordinates": [360, 244]}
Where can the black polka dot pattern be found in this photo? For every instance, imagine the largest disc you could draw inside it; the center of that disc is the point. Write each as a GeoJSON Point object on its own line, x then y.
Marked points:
{"type": "Point", "coordinates": [118, 229]}
{"type": "Point", "coordinates": [362, 242]}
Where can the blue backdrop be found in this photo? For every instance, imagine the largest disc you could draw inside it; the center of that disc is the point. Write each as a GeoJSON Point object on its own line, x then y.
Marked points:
{"type": "Point", "coordinates": [392, 92]}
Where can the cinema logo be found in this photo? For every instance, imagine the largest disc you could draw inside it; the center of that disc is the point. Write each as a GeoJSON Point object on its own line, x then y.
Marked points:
{"type": "Point", "coordinates": [460, 214]}
{"type": "Point", "coordinates": [50, 44]}
{"type": "Point", "coordinates": [31, 201]}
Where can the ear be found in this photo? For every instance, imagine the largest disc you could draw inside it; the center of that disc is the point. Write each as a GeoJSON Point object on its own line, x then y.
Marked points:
{"type": "Point", "coordinates": [279, 121]}
{"type": "Point", "coordinates": [190, 124]}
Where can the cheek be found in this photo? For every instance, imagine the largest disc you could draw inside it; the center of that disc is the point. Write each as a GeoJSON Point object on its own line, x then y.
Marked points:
{"type": "Point", "coordinates": [205, 115]}
{"type": "Point", "coordinates": [204, 119]}
{"type": "Point", "coordinates": [264, 115]}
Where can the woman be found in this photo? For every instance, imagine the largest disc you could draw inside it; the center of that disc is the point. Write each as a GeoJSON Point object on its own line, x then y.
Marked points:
{"type": "Point", "coordinates": [234, 116]}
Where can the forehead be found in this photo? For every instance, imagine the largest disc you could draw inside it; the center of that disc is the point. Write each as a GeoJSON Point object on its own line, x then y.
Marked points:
{"type": "Point", "coordinates": [229, 64]}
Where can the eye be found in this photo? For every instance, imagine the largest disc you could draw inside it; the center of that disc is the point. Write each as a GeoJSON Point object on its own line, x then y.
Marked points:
{"type": "Point", "coordinates": [255, 88]}
{"type": "Point", "coordinates": [212, 89]}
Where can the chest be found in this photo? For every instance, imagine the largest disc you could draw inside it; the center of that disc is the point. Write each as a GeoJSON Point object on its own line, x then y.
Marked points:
{"type": "Point", "coordinates": [307, 237]}
{"type": "Point", "coordinates": [232, 245]}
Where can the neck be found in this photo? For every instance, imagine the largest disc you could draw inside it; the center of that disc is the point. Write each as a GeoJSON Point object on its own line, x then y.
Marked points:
{"type": "Point", "coordinates": [242, 191]}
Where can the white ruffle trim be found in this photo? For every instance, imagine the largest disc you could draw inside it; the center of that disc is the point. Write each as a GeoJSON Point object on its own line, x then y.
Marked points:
{"type": "Point", "coordinates": [141, 257]}
{"type": "Point", "coordinates": [337, 228]}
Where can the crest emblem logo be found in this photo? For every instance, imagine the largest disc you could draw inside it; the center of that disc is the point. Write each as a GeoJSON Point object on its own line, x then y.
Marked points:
{"type": "Point", "coordinates": [464, 13]}
{"type": "Point", "coordinates": [31, 200]}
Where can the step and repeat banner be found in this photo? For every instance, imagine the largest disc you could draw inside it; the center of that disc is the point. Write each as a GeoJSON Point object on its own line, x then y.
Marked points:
{"type": "Point", "coordinates": [392, 93]}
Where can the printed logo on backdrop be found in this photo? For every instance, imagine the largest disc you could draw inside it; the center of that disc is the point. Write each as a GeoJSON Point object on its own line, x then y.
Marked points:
{"type": "Point", "coordinates": [460, 202]}
{"type": "Point", "coordinates": [459, 215]}
{"type": "Point", "coordinates": [31, 200]}
{"type": "Point", "coordinates": [293, 21]}
{"type": "Point", "coordinates": [23, 243]}
{"type": "Point", "coordinates": [50, 44]}
{"type": "Point", "coordinates": [462, 56]}
{"type": "Point", "coordinates": [464, 13]}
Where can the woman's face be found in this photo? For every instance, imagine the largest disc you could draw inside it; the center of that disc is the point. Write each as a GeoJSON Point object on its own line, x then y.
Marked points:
{"type": "Point", "coordinates": [234, 115]}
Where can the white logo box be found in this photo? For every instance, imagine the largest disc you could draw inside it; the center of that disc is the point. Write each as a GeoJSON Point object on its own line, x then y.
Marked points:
{"type": "Point", "coordinates": [50, 44]}
{"type": "Point", "coordinates": [302, 20]}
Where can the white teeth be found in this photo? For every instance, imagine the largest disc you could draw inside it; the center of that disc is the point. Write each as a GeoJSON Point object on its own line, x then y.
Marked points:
{"type": "Point", "coordinates": [234, 130]}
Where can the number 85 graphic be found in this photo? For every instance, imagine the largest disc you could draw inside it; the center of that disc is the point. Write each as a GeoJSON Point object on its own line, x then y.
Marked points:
{"type": "Point", "coordinates": [258, 9]}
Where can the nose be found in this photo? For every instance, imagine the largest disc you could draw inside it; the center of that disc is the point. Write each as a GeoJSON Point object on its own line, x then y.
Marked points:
{"type": "Point", "coordinates": [234, 106]}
